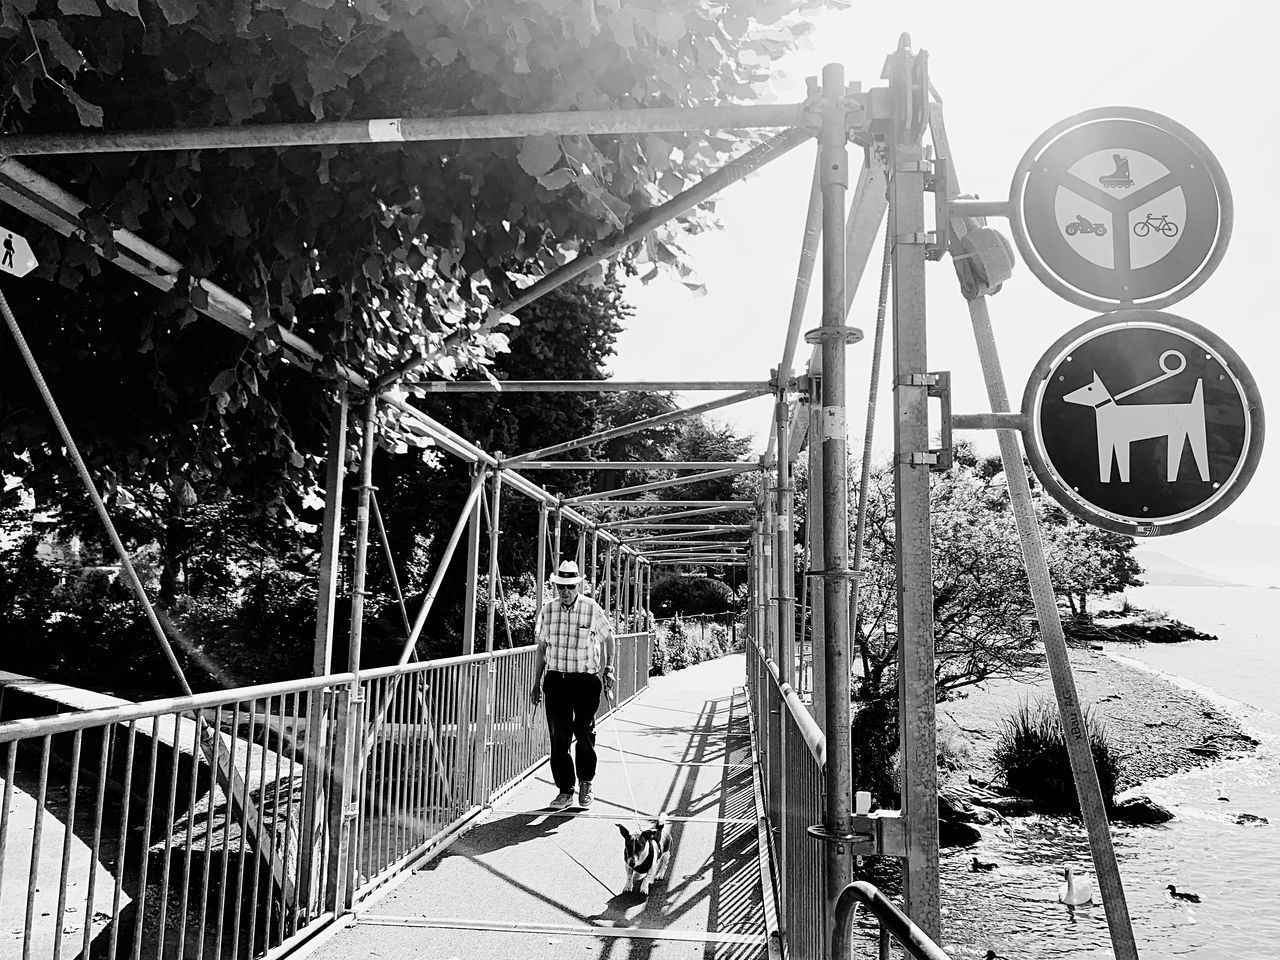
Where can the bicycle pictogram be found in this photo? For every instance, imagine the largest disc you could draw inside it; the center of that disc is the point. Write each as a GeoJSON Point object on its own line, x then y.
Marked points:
{"type": "Point", "coordinates": [1161, 224]}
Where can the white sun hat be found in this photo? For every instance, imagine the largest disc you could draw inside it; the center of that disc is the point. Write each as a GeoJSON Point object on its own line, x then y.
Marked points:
{"type": "Point", "coordinates": [567, 574]}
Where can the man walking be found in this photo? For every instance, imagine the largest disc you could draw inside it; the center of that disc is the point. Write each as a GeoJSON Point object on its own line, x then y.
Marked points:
{"type": "Point", "coordinates": [576, 650]}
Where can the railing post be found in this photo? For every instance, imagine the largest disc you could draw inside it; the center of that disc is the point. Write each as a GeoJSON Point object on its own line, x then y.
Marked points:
{"type": "Point", "coordinates": [784, 545]}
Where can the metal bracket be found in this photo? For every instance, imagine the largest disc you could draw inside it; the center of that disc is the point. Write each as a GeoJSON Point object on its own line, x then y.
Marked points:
{"type": "Point", "coordinates": [940, 184]}
{"type": "Point", "coordinates": [924, 239]}
{"type": "Point", "coordinates": [875, 834]}
{"type": "Point", "coordinates": [916, 380]}
{"type": "Point", "coordinates": [913, 166]}
{"type": "Point", "coordinates": [822, 334]}
{"type": "Point", "coordinates": [842, 574]}
{"type": "Point", "coordinates": [941, 388]}
{"type": "Point", "coordinates": [919, 459]}
{"type": "Point", "coordinates": [819, 831]}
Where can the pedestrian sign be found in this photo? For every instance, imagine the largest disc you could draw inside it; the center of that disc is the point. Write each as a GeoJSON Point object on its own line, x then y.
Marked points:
{"type": "Point", "coordinates": [15, 254]}
{"type": "Point", "coordinates": [1120, 207]}
{"type": "Point", "coordinates": [1144, 423]}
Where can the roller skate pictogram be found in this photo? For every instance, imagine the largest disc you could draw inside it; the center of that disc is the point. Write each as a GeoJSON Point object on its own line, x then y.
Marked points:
{"type": "Point", "coordinates": [1119, 178]}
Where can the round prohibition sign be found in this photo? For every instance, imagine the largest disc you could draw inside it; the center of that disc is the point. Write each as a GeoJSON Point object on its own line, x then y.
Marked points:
{"type": "Point", "coordinates": [1143, 423]}
{"type": "Point", "coordinates": [1118, 207]}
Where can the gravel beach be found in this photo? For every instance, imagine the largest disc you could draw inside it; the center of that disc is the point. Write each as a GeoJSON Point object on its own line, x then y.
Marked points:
{"type": "Point", "coordinates": [1158, 728]}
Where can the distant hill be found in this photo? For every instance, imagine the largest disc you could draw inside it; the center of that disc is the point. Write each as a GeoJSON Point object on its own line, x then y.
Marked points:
{"type": "Point", "coordinates": [1224, 549]}
{"type": "Point", "coordinates": [1160, 570]}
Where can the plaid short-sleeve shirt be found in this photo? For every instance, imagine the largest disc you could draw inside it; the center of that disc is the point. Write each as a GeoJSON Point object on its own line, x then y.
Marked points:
{"type": "Point", "coordinates": [574, 635]}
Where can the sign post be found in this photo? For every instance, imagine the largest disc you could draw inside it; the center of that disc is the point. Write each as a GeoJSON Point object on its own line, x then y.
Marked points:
{"type": "Point", "coordinates": [15, 254]}
{"type": "Point", "coordinates": [1143, 423]}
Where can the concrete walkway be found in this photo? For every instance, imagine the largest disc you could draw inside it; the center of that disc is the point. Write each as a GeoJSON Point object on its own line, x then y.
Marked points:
{"type": "Point", "coordinates": [525, 883]}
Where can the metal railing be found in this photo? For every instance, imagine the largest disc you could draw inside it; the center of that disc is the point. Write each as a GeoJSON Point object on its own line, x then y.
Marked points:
{"type": "Point", "coordinates": [792, 752]}
{"type": "Point", "coordinates": [239, 823]}
{"type": "Point", "coordinates": [892, 920]}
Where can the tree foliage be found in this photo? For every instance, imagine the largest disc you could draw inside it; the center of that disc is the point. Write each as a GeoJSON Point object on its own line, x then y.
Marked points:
{"type": "Point", "coordinates": [378, 254]}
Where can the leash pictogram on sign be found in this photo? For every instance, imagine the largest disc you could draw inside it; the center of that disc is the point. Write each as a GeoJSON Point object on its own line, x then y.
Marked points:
{"type": "Point", "coordinates": [1119, 208]}
{"type": "Point", "coordinates": [1143, 423]}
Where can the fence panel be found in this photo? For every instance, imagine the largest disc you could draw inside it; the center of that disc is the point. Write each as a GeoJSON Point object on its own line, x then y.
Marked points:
{"type": "Point", "coordinates": [790, 751]}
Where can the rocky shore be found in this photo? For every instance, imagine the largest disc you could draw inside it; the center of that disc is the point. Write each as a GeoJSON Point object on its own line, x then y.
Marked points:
{"type": "Point", "coordinates": [1156, 727]}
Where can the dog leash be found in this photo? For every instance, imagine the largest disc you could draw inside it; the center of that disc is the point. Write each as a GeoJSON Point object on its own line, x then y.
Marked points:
{"type": "Point", "coordinates": [617, 733]}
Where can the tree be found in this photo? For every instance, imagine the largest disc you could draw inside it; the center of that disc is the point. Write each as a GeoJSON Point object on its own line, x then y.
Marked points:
{"type": "Point", "coordinates": [378, 254]}
{"type": "Point", "coordinates": [1084, 560]}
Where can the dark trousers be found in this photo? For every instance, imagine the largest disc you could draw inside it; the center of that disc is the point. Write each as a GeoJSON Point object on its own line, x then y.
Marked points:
{"type": "Point", "coordinates": [572, 700]}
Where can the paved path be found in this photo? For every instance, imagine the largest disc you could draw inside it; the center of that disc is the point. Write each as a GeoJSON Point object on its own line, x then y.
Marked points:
{"type": "Point", "coordinates": [528, 884]}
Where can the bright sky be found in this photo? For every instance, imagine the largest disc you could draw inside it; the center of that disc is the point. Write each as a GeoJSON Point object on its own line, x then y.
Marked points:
{"type": "Point", "coordinates": [1006, 71]}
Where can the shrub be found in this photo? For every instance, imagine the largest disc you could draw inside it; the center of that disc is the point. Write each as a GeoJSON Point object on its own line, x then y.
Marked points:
{"type": "Point", "coordinates": [1031, 753]}
{"type": "Point", "coordinates": [681, 643]}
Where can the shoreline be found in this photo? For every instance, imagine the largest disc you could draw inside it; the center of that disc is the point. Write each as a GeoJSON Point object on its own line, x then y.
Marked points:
{"type": "Point", "coordinates": [1158, 727]}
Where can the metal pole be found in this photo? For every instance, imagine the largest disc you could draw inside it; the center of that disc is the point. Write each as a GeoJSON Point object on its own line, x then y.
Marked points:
{"type": "Point", "coordinates": [629, 428]}
{"type": "Point", "coordinates": [917, 702]}
{"type": "Point", "coordinates": [837, 775]}
{"type": "Point", "coordinates": [473, 566]}
{"type": "Point", "coordinates": [804, 273]}
{"type": "Point", "coordinates": [664, 484]}
{"type": "Point", "coordinates": [589, 386]}
{"type": "Point", "coordinates": [540, 584]}
{"type": "Point", "coordinates": [709, 186]}
{"type": "Point", "coordinates": [347, 789]}
{"type": "Point", "coordinates": [595, 543]}
{"type": "Point", "coordinates": [330, 529]}
{"type": "Point", "coordinates": [491, 610]}
{"type": "Point", "coordinates": [785, 547]}
{"type": "Point", "coordinates": [813, 530]}
{"type": "Point", "coordinates": [555, 552]}
{"type": "Point", "coordinates": [413, 129]}
{"type": "Point", "coordinates": [316, 788]}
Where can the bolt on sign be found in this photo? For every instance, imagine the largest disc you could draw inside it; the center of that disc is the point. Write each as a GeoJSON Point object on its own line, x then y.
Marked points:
{"type": "Point", "coordinates": [1143, 423]}
{"type": "Point", "coordinates": [1119, 207]}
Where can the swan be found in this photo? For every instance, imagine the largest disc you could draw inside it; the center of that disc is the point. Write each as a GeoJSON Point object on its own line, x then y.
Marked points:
{"type": "Point", "coordinates": [1188, 897]}
{"type": "Point", "coordinates": [1076, 891]}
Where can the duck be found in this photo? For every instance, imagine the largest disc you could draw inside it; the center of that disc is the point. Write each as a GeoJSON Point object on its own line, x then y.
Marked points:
{"type": "Point", "coordinates": [1076, 891]}
{"type": "Point", "coordinates": [977, 865]}
{"type": "Point", "coordinates": [1177, 895]}
{"type": "Point", "coordinates": [992, 955]}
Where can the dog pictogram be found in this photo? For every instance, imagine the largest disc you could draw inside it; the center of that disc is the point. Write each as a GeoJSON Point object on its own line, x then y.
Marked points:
{"type": "Point", "coordinates": [1120, 425]}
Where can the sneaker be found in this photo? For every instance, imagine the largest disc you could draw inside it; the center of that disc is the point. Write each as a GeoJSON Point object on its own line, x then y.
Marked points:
{"type": "Point", "coordinates": [584, 794]}
{"type": "Point", "coordinates": [563, 799]}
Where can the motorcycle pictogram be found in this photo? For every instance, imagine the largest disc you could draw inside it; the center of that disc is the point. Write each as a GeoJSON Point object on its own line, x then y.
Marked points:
{"type": "Point", "coordinates": [1118, 178]}
{"type": "Point", "coordinates": [1162, 224]}
{"type": "Point", "coordinates": [1083, 225]}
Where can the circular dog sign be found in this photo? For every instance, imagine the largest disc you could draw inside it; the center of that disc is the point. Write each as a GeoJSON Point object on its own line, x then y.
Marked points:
{"type": "Point", "coordinates": [1119, 207]}
{"type": "Point", "coordinates": [1143, 423]}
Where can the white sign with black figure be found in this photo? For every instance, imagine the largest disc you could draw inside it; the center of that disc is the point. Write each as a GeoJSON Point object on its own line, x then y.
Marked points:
{"type": "Point", "coordinates": [15, 254]}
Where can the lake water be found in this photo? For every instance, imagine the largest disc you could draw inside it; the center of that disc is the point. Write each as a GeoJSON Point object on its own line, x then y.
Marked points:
{"type": "Point", "coordinates": [1234, 868]}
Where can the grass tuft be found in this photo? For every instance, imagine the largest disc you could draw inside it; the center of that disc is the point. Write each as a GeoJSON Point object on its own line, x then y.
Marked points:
{"type": "Point", "coordinates": [1031, 754]}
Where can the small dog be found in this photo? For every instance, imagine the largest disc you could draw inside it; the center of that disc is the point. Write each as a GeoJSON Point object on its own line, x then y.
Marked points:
{"type": "Point", "coordinates": [646, 853]}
